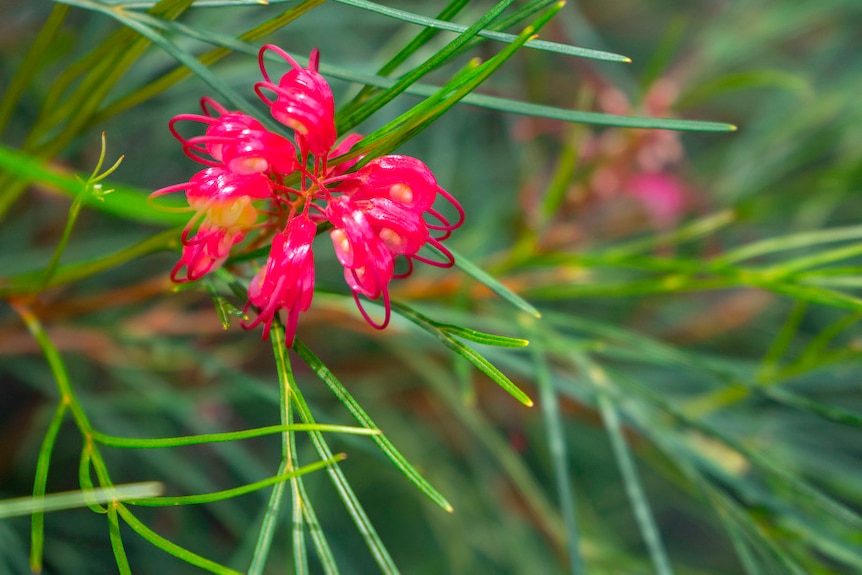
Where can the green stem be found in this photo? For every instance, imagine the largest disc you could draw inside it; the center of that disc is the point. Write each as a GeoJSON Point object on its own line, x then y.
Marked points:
{"type": "Point", "coordinates": [37, 525]}
{"type": "Point", "coordinates": [273, 509]}
{"type": "Point", "coordinates": [30, 65]}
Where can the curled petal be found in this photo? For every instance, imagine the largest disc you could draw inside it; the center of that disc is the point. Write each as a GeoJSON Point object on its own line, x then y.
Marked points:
{"type": "Point", "coordinates": [220, 129]}
{"type": "Point", "coordinates": [273, 48]}
{"type": "Point", "coordinates": [368, 263]}
{"type": "Point", "coordinates": [223, 202]}
{"type": "Point", "coordinates": [204, 252]}
{"type": "Point", "coordinates": [406, 181]}
{"type": "Point", "coordinates": [403, 179]}
{"type": "Point", "coordinates": [259, 151]}
{"type": "Point", "coordinates": [240, 143]}
{"type": "Point", "coordinates": [303, 101]}
{"type": "Point", "coordinates": [444, 223]}
{"type": "Point", "coordinates": [228, 128]}
{"type": "Point", "coordinates": [402, 230]}
{"type": "Point", "coordinates": [219, 185]}
{"type": "Point", "coordinates": [448, 262]}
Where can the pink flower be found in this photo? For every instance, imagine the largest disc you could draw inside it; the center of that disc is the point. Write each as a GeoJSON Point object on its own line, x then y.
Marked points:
{"type": "Point", "coordinates": [215, 188]}
{"type": "Point", "coordinates": [640, 163]}
{"type": "Point", "coordinates": [368, 263]}
{"type": "Point", "coordinates": [662, 195]}
{"type": "Point", "coordinates": [222, 201]}
{"type": "Point", "coordinates": [236, 141]}
{"type": "Point", "coordinates": [205, 251]}
{"type": "Point", "coordinates": [380, 212]}
{"type": "Point", "coordinates": [287, 280]}
{"type": "Point", "coordinates": [303, 102]}
{"type": "Point", "coordinates": [398, 191]}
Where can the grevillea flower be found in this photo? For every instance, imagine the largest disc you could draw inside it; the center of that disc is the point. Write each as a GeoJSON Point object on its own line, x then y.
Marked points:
{"type": "Point", "coordinates": [382, 211]}
{"type": "Point", "coordinates": [287, 280]}
{"type": "Point", "coordinates": [303, 101]}
{"type": "Point", "coordinates": [237, 141]}
{"type": "Point", "coordinates": [222, 202]}
{"type": "Point", "coordinates": [368, 263]}
{"type": "Point", "coordinates": [395, 193]}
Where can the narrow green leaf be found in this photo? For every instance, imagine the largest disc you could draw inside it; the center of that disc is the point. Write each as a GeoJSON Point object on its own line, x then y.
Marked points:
{"type": "Point", "coordinates": [803, 263]}
{"type": "Point", "coordinates": [812, 495]}
{"type": "Point", "coordinates": [136, 5]}
{"type": "Point", "coordinates": [745, 80]}
{"type": "Point", "coordinates": [268, 525]}
{"type": "Point", "coordinates": [740, 545]}
{"type": "Point", "coordinates": [488, 102]}
{"type": "Point", "coordinates": [422, 38]}
{"type": "Point", "coordinates": [626, 464]}
{"type": "Point", "coordinates": [300, 553]}
{"type": "Point", "coordinates": [345, 121]}
{"type": "Point", "coordinates": [39, 504]}
{"type": "Point", "coordinates": [288, 454]}
{"type": "Point", "coordinates": [318, 537]}
{"type": "Point", "coordinates": [413, 18]}
{"type": "Point", "coordinates": [531, 492]}
{"type": "Point", "coordinates": [486, 279]}
{"type": "Point", "coordinates": [559, 458]}
{"type": "Point", "coordinates": [26, 72]}
{"type": "Point", "coordinates": [830, 279]}
{"type": "Point", "coordinates": [86, 481]}
{"type": "Point", "coordinates": [830, 412]}
{"type": "Point", "coordinates": [348, 497]}
{"type": "Point", "coordinates": [236, 491]}
{"type": "Point", "coordinates": [141, 443]}
{"type": "Point", "coordinates": [490, 34]}
{"type": "Point", "coordinates": [159, 85]}
{"type": "Point", "coordinates": [482, 337]}
{"type": "Point", "coordinates": [690, 231]}
{"type": "Point", "coordinates": [124, 202]}
{"type": "Point", "coordinates": [584, 117]}
{"type": "Point", "coordinates": [31, 282]}
{"type": "Point", "coordinates": [789, 242]}
{"type": "Point", "coordinates": [782, 341]}
{"type": "Point", "coordinates": [143, 23]}
{"type": "Point", "coordinates": [117, 542]}
{"type": "Point", "coordinates": [459, 87]}
{"type": "Point", "coordinates": [814, 294]}
{"type": "Point", "coordinates": [756, 532]}
{"type": "Point", "coordinates": [362, 417]}
{"type": "Point", "coordinates": [462, 350]}
{"type": "Point", "coordinates": [63, 116]}
{"type": "Point", "coordinates": [170, 547]}
{"type": "Point", "coordinates": [345, 492]}
{"type": "Point", "coordinates": [817, 346]}
{"type": "Point", "coordinates": [735, 518]}
{"type": "Point", "coordinates": [43, 462]}
{"type": "Point", "coordinates": [737, 521]}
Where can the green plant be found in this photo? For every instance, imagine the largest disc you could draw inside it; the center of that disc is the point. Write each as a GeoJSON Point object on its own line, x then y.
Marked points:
{"type": "Point", "coordinates": [691, 351]}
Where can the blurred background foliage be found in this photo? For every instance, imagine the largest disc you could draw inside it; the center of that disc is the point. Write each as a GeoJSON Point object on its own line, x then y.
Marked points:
{"type": "Point", "coordinates": [695, 369]}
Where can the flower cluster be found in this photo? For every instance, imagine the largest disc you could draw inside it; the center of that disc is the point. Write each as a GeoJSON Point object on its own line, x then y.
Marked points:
{"type": "Point", "coordinates": [641, 164]}
{"type": "Point", "coordinates": [259, 181]}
